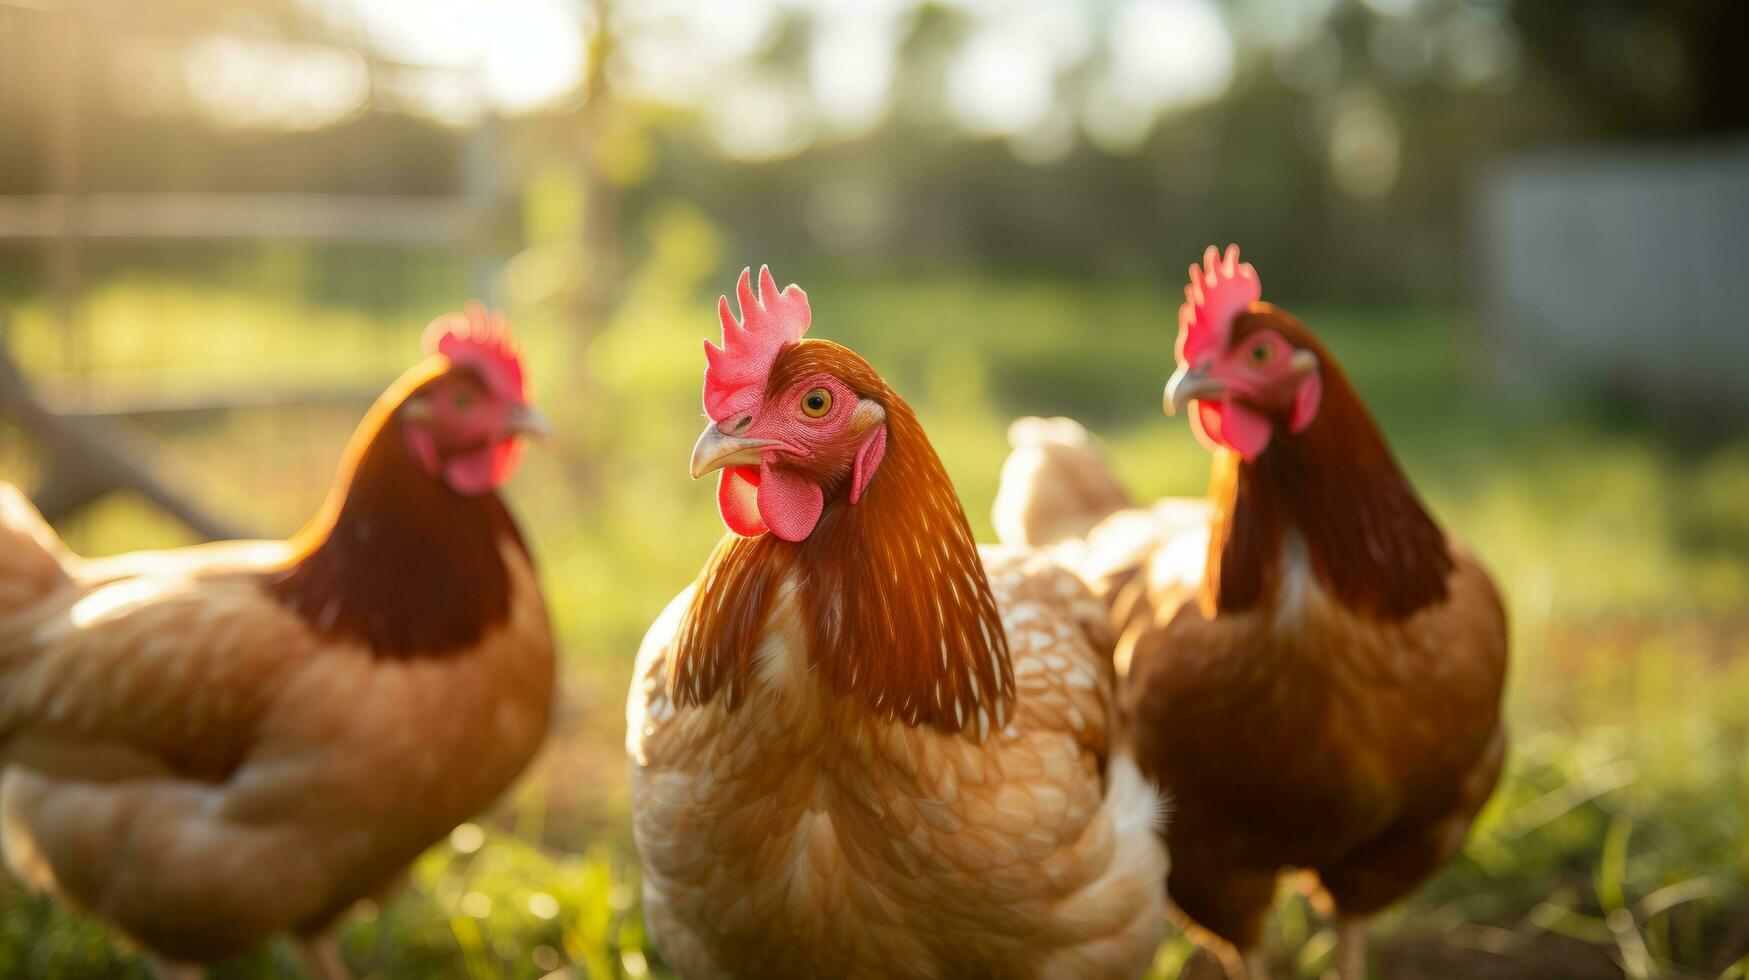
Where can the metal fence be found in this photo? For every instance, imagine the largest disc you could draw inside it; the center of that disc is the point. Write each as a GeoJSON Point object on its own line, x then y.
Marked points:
{"type": "Point", "coordinates": [88, 437]}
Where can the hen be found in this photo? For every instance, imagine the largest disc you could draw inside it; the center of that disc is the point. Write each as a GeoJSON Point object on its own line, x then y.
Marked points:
{"type": "Point", "coordinates": [215, 745]}
{"type": "Point", "coordinates": [1311, 667]}
{"type": "Point", "coordinates": [860, 748]}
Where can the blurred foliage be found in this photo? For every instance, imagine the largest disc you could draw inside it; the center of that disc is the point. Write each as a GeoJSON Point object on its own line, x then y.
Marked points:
{"type": "Point", "coordinates": [482, 905]}
{"type": "Point", "coordinates": [1343, 141]}
{"type": "Point", "coordinates": [1616, 843]}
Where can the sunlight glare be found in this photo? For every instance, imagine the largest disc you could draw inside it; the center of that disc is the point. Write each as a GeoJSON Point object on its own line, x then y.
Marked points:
{"type": "Point", "coordinates": [760, 118]}
{"type": "Point", "coordinates": [1114, 120]}
{"type": "Point", "coordinates": [256, 82]}
{"type": "Point", "coordinates": [1001, 83]}
{"type": "Point", "coordinates": [1172, 52]}
{"type": "Point", "coordinates": [676, 52]}
{"type": "Point", "coordinates": [850, 68]}
{"type": "Point", "coordinates": [1365, 146]}
{"type": "Point", "coordinates": [527, 53]}
{"type": "Point", "coordinates": [115, 600]}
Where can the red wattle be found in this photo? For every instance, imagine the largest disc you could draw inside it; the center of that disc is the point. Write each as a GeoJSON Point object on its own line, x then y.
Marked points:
{"type": "Point", "coordinates": [789, 503]}
{"type": "Point", "coordinates": [469, 474]}
{"type": "Point", "coordinates": [1205, 424]}
{"type": "Point", "coordinates": [1245, 430]}
{"type": "Point", "coordinates": [483, 470]}
{"type": "Point", "coordinates": [1228, 424]}
{"type": "Point", "coordinates": [738, 500]}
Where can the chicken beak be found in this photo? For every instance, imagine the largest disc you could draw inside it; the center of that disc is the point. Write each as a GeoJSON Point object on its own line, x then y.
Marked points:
{"type": "Point", "coordinates": [717, 449]}
{"type": "Point", "coordinates": [528, 420]}
{"type": "Point", "coordinates": [1188, 385]}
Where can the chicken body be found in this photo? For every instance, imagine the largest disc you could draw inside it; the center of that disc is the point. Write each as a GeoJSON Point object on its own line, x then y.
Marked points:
{"type": "Point", "coordinates": [1306, 735]}
{"type": "Point", "coordinates": [860, 747]}
{"type": "Point", "coordinates": [193, 753]}
{"type": "Point", "coordinates": [808, 837]}
{"type": "Point", "coordinates": [1310, 668]}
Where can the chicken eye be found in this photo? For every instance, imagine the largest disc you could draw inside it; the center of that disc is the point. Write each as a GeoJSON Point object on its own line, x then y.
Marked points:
{"type": "Point", "coordinates": [462, 400]}
{"type": "Point", "coordinates": [816, 403]}
{"type": "Point", "coordinates": [1261, 354]}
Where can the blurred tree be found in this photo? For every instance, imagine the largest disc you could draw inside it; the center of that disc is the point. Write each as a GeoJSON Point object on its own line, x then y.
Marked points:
{"type": "Point", "coordinates": [1645, 69]}
{"type": "Point", "coordinates": [1345, 151]}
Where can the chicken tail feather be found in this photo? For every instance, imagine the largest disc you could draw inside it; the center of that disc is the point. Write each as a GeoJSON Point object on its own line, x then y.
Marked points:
{"type": "Point", "coordinates": [1055, 485]}
{"type": "Point", "coordinates": [32, 557]}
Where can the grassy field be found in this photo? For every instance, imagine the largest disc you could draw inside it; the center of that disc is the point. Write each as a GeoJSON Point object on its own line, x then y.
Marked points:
{"type": "Point", "coordinates": [1616, 845]}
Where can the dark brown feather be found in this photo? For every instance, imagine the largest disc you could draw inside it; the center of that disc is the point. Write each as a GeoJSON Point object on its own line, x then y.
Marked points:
{"type": "Point", "coordinates": [1371, 543]}
{"type": "Point", "coordinates": [395, 558]}
{"type": "Point", "coordinates": [1353, 732]}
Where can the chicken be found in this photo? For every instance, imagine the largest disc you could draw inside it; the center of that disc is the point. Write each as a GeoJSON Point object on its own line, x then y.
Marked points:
{"type": "Point", "coordinates": [860, 747]}
{"type": "Point", "coordinates": [1310, 666]}
{"type": "Point", "coordinates": [212, 746]}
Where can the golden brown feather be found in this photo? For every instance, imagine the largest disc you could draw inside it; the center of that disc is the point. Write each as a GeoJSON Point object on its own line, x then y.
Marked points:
{"type": "Point", "coordinates": [214, 745]}
{"type": "Point", "coordinates": [880, 753]}
{"type": "Point", "coordinates": [1309, 664]}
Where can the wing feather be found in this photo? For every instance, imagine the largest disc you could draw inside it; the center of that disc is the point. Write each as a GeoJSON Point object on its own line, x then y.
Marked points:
{"type": "Point", "coordinates": [174, 668]}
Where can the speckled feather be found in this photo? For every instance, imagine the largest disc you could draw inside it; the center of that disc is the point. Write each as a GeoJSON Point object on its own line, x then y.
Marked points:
{"type": "Point", "coordinates": [804, 835]}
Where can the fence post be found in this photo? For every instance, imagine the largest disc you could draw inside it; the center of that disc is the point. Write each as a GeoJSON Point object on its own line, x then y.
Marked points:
{"type": "Point", "coordinates": [88, 458]}
{"type": "Point", "coordinates": [481, 189]}
{"type": "Point", "coordinates": [63, 124]}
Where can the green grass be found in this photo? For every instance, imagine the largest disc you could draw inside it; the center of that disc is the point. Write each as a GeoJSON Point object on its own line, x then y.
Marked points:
{"type": "Point", "coordinates": [1615, 845]}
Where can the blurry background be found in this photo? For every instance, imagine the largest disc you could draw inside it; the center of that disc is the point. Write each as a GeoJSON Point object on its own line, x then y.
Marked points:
{"type": "Point", "coordinates": [1519, 223]}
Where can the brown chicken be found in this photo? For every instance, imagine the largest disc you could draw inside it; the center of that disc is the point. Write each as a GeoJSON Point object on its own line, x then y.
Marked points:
{"type": "Point", "coordinates": [211, 746]}
{"type": "Point", "coordinates": [1310, 666]}
{"type": "Point", "coordinates": [859, 747]}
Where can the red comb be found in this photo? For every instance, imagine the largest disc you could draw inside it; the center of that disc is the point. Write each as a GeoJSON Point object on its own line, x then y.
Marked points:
{"type": "Point", "coordinates": [481, 340]}
{"type": "Point", "coordinates": [734, 374]}
{"type": "Point", "coordinates": [1220, 289]}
